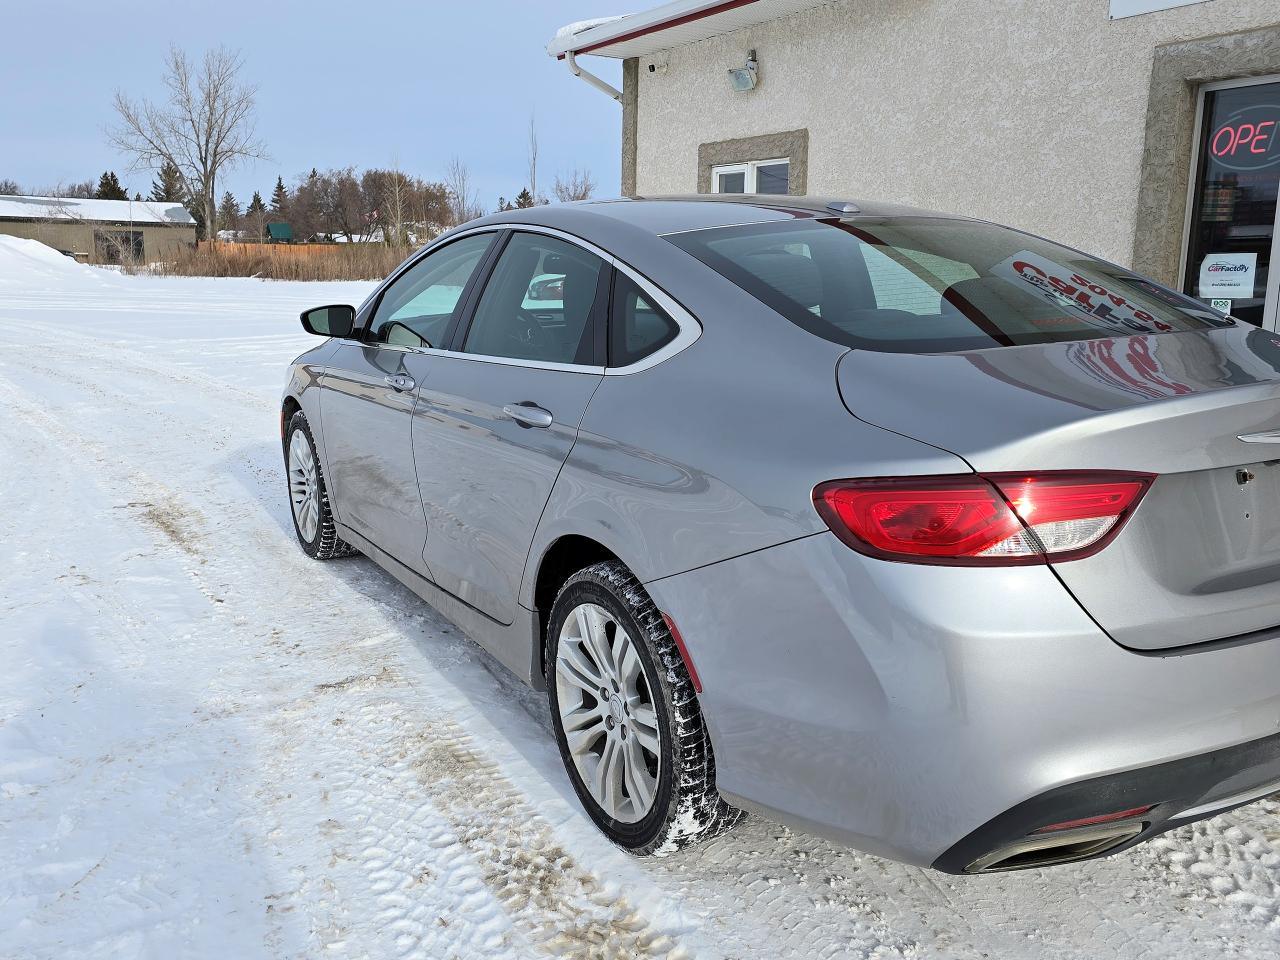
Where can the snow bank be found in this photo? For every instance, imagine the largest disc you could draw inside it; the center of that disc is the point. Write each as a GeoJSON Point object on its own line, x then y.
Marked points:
{"type": "Point", "coordinates": [30, 264]}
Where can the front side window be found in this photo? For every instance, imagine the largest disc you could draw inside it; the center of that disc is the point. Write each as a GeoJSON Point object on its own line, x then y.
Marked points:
{"type": "Point", "coordinates": [538, 304]}
{"type": "Point", "coordinates": [755, 176]}
{"type": "Point", "coordinates": [925, 284]}
{"type": "Point", "coordinates": [636, 327]}
{"type": "Point", "coordinates": [416, 310]}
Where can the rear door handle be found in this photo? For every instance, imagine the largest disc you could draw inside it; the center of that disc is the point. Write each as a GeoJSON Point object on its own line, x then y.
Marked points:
{"type": "Point", "coordinates": [400, 382]}
{"type": "Point", "coordinates": [529, 414]}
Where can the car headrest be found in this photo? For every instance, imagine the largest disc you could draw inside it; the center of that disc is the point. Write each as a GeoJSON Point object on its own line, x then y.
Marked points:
{"type": "Point", "coordinates": [792, 275]}
{"type": "Point", "coordinates": [991, 295]}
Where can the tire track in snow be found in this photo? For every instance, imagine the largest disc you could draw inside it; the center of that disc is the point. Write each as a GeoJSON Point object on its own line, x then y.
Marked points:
{"type": "Point", "coordinates": [54, 347]}
{"type": "Point", "coordinates": [775, 894]}
{"type": "Point", "coordinates": [555, 904]}
{"type": "Point", "coordinates": [806, 897]}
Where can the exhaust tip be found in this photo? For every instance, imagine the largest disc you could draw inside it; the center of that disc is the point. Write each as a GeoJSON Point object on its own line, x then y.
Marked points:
{"type": "Point", "coordinates": [1046, 850]}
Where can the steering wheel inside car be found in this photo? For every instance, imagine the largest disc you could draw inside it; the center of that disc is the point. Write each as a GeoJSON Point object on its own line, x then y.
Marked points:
{"type": "Point", "coordinates": [531, 332]}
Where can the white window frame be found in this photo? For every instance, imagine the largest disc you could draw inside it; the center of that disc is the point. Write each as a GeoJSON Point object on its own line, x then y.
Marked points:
{"type": "Point", "coordinates": [748, 169]}
{"type": "Point", "coordinates": [1271, 308]}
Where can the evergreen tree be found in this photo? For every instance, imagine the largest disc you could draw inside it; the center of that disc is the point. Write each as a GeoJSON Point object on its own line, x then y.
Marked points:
{"type": "Point", "coordinates": [137, 196]}
{"type": "Point", "coordinates": [228, 213]}
{"type": "Point", "coordinates": [167, 186]}
{"type": "Point", "coordinates": [279, 197]}
{"type": "Point", "coordinates": [255, 216]}
{"type": "Point", "coordinates": [109, 188]}
{"type": "Point", "coordinates": [524, 199]}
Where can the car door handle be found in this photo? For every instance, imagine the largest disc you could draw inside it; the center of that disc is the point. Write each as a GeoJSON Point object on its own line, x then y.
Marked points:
{"type": "Point", "coordinates": [1271, 436]}
{"type": "Point", "coordinates": [400, 382]}
{"type": "Point", "coordinates": [529, 414]}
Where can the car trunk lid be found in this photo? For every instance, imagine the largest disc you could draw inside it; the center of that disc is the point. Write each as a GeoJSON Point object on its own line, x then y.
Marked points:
{"type": "Point", "coordinates": [1200, 558]}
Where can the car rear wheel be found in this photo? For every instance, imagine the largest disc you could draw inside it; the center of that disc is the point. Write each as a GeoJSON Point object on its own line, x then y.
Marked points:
{"type": "Point", "coordinates": [626, 716]}
{"type": "Point", "coordinates": [308, 494]}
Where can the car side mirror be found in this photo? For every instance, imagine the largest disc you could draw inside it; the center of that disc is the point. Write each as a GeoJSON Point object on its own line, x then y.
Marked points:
{"type": "Point", "coordinates": [335, 320]}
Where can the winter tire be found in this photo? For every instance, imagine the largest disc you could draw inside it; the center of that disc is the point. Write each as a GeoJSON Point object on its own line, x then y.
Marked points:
{"type": "Point", "coordinates": [308, 494]}
{"type": "Point", "coordinates": [626, 716]}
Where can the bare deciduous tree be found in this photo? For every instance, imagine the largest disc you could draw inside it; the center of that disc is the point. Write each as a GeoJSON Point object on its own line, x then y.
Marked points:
{"type": "Point", "coordinates": [83, 190]}
{"type": "Point", "coordinates": [576, 185]}
{"type": "Point", "coordinates": [464, 203]}
{"type": "Point", "coordinates": [395, 207]}
{"type": "Point", "coordinates": [342, 203]}
{"type": "Point", "coordinates": [204, 127]}
{"type": "Point", "coordinates": [533, 157]}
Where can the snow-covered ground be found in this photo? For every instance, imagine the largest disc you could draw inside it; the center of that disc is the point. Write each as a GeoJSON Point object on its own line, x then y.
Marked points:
{"type": "Point", "coordinates": [213, 747]}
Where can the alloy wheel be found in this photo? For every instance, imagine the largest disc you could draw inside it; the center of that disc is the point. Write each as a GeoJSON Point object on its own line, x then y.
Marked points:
{"type": "Point", "coordinates": [607, 713]}
{"type": "Point", "coordinates": [304, 486]}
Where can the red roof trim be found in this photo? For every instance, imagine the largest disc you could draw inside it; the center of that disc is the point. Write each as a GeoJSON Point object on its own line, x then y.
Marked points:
{"type": "Point", "coordinates": [666, 25]}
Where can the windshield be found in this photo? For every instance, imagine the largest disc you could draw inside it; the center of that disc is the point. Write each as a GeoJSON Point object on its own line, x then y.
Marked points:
{"type": "Point", "coordinates": [923, 284]}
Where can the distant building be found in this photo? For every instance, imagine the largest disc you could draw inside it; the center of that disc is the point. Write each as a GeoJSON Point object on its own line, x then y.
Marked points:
{"type": "Point", "coordinates": [100, 231]}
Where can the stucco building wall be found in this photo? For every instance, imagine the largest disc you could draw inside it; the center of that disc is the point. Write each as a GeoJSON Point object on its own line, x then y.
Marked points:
{"type": "Point", "coordinates": [1028, 112]}
{"type": "Point", "coordinates": [158, 242]}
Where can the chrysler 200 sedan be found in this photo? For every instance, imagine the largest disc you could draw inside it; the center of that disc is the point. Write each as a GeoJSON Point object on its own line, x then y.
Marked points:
{"type": "Point", "coordinates": [925, 534]}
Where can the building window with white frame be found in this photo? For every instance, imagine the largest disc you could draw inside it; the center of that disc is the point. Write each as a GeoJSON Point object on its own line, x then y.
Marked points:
{"type": "Point", "coordinates": [754, 176]}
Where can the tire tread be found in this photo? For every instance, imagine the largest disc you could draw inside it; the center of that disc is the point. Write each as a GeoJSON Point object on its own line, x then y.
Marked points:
{"type": "Point", "coordinates": [697, 811]}
{"type": "Point", "coordinates": [328, 545]}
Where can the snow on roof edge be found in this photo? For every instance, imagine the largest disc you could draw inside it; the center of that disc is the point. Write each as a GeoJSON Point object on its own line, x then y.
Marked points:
{"type": "Point", "coordinates": [15, 207]}
{"type": "Point", "coordinates": [669, 25]}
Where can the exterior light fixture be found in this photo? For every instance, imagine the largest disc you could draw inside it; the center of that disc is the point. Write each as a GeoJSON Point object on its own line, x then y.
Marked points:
{"type": "Point", "coordinates": [745, 78]}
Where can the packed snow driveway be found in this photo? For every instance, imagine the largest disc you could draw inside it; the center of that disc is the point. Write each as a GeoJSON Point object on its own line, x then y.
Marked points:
{"type": "Point", "coordinates": [211, 746]}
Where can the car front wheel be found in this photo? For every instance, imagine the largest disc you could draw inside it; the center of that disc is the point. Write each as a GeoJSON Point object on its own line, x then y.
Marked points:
{"type": "Point", "coordinates": [627, 718]}
{"type": "Point", "coordinates": [308, 494]}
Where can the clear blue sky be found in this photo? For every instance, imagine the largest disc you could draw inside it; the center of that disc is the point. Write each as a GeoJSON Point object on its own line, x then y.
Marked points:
{"type": "Point", "coordinates": [339, 83]}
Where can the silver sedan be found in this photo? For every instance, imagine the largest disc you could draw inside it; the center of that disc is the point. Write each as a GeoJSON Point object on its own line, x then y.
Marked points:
{"type": "Point", "coordinates": [926, 534]}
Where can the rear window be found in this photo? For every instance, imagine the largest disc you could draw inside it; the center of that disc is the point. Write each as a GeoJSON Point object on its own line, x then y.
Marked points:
{"type": "Point", "coordinates": [922, 284]}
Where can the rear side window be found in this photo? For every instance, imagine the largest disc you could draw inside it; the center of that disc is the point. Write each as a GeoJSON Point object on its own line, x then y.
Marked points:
{"type": "Point", "coordinates": [636, 327]}
{"type": "Point", "coordinates": [538, 304]}
{"type": "Point", "coordinates": [926, 284]}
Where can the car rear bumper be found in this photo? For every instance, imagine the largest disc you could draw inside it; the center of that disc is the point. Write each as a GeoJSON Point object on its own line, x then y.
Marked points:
{"type": "Point", "coordinates": [922, 712]}
{"type": "Point", "coordinates": [1177, 792]}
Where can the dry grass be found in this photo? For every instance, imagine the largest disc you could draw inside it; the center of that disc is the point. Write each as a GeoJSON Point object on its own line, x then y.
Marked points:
{"type": "Point", "coordinates": [339, 261]}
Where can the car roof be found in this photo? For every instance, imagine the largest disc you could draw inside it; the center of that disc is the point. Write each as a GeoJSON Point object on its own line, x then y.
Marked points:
{"type": "Point", "coordinates": [679, 213]}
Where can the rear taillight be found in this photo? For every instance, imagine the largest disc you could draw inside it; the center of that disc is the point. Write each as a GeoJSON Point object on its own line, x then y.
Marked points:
{"type": "Point", "coordinates": [982, 520]}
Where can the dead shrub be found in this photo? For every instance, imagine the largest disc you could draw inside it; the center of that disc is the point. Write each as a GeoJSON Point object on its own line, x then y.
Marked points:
{"type": "Point", "coordinates": [336, 261]}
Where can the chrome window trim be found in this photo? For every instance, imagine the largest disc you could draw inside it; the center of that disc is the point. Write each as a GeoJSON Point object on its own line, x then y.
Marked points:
{"type": "Point", "coordinates": [689, 327]}
{"type": "Point", "coordinates": [511, 361]}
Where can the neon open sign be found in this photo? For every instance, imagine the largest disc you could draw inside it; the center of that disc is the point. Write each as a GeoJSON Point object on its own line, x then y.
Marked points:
{"type": "Point", "coordinates": [1248, 139]}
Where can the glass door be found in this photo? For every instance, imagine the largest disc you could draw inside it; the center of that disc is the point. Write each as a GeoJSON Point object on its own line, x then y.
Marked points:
{"type": "Point", "coordinates": [1232, 235]}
